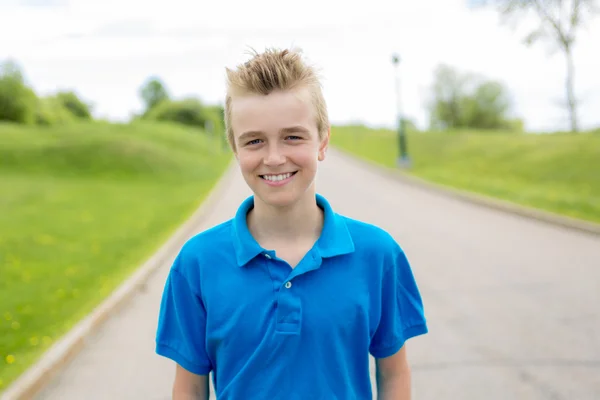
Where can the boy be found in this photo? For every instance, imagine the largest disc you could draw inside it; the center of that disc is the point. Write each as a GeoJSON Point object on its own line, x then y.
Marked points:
{"type": "Point", "coordinates": [288, 298]}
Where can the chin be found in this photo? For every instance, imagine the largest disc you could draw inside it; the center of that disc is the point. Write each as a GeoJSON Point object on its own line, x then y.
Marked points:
{"type": "Point", "coordinates": [278, 200]}
{"type": "Point", "coordinates": [281, 198]}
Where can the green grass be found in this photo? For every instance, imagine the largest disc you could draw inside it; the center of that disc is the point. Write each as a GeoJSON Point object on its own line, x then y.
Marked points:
{"type": "Point", "coordinates": [559, 173]}
{"type": "Point", "coordinates": [81, 207]}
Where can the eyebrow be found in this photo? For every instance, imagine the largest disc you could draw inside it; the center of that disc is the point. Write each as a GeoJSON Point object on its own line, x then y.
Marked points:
{"type": "Point", "coordinates": [247, 135]}
{"type": "Point", "coordinates": [292, 129]}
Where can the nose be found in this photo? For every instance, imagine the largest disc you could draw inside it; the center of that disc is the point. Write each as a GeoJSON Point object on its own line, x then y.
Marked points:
{"type": "Point", "coordinates": [274, 156]}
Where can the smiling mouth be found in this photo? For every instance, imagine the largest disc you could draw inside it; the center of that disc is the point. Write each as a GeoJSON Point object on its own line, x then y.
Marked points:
{"type": "Point", "coordinates": [279, 177]}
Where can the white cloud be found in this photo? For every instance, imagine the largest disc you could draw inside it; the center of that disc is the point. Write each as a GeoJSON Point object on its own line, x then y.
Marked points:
{"type": "Point", "coordinates": [105, 50]}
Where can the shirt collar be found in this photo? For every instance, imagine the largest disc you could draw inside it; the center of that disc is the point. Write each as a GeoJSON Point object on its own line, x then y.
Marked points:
{"type": "Point", "coordinates": [335, 238]}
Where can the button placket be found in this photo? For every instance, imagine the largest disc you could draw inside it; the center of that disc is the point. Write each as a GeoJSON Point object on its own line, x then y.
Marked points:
{"type": "Point", "coordinates": [289, 310]}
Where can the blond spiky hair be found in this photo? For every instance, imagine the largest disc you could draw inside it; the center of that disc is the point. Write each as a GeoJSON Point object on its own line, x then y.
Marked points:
{"type": "Point", "coordinates": [270, 71]}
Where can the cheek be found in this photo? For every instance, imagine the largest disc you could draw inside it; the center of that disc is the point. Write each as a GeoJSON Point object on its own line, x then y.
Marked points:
{"type": "Point", "coordinates": [308, 158]}
{"type": "Point", "coordinates": [248, 162]}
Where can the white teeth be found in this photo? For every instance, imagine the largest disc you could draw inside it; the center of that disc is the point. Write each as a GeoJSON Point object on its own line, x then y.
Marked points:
{"type": "Point", "coordinates": [276, 178]}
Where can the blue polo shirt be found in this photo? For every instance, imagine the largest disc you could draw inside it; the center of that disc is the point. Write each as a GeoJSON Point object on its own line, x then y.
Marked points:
{"type": "Point", "coordinates": [267, 331]}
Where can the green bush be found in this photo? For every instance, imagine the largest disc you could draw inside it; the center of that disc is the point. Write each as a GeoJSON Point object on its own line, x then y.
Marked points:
{"type": "Point", "coordinates": [77, 107]}
{"type": "Point", "coordinates": [50, 111]}
{"type": "Point", "coordinates": [189, 112]}
{"type": "Point", "coordinates": [17, 101]}
{"type": "Point", "coordinates": [216, 116]}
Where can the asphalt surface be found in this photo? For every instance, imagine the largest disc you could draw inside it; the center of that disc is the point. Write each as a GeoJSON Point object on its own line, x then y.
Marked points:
{"type": "Point", "coordinates": [513, 304]}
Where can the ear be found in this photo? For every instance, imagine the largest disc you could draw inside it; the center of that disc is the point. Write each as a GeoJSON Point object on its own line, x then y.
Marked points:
{"type": "Point", "coordinates": [324, 145]}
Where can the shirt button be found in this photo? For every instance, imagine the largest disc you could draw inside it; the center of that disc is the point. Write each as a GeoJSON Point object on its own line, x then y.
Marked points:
{"type": "Point", "coordinates": [268, 256]}
{"type": "Point", "coordinates": [288, 284]}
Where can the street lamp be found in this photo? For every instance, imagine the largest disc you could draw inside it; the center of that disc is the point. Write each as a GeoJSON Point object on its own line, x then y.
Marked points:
{"type": "Point", "coordinates": [403, 159]}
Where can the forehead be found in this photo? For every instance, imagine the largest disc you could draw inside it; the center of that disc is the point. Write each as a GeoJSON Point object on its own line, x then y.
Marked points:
{"type": "Point", "coordinates": [272, 112]}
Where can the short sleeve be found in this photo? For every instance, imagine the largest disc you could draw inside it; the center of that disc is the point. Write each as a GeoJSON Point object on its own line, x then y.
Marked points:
{"type": "Point", "coordinates": [402, 313]}
{"type": "Point", "coordinates": [181, 328]}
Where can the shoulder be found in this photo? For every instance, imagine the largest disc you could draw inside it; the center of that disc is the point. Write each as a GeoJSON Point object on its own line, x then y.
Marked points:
{"type": "Point", "coordinates": [215, 237]}
{"type": "Point", "coordinates": [202, 249]}
{"type": "Point", "coordinates": [368, 237]}
{"type": "Point", "coordinates": [376, 248]}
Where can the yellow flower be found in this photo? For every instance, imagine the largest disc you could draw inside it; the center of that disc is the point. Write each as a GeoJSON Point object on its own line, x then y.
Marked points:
{"type": "Point", "coordinates": [10, 359]}
{"type": "Point", "coordinates": [7, 316]}
{"type": "Point", "coordinates": [34, 341]}
{"type": "Point", "coordinates": [15, 325]}
{"type": "Point", "coordinates": [1, 383]}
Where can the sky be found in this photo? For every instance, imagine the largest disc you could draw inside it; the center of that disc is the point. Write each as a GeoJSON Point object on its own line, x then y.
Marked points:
{"type": "Point", "coordinates": [105, 51]}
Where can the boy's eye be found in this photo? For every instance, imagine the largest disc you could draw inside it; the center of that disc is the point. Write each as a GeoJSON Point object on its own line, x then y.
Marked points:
{"type": "Point", "coordinates": [255, 141]}
{"type": "Point", "coordinates": [294, 137]}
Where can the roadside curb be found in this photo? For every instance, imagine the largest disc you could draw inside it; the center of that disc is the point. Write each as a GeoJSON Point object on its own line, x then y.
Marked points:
{"type": "Point", "coordinates": [32, 381]}
{"type": "Point", "coordinates": [474, 198]}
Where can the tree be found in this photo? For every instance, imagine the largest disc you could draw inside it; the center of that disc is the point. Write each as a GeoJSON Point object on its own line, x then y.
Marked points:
{"type": "Point", "coordinates": [559, 21]}
{"type": "Point", "coordinates": [189, 111]}
{"type": "Point", "coordinates": [153, 92]}
{"type": "Point", "coordinates": [17, 100]}
{"type": "Point", "coordinates": [449, 90]}
{"type": "Point", "coordinates": [464, 100]}
{"type": "Point", "coordinates": [51, 111]}
{"type": "Point", "coordinates": [12, 70]}
{"type": "Point", "coordinates": [488, 106]}
{"type": "Point", "coordinates": [77, 107]}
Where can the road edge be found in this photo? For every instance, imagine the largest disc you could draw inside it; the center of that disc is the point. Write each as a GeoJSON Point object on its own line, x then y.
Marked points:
{"type": "Point", "coordinates": [33, 380]}
{"type": "Point", "coordinates": [474, 198]}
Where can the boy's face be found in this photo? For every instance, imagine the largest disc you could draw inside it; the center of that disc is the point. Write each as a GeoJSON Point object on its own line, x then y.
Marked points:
{"type": "Point", "coordinates": [277, 145]}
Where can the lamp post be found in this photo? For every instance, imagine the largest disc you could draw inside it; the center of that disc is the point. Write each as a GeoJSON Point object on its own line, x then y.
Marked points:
{"type": "Point", "coordinates": [403, 159]}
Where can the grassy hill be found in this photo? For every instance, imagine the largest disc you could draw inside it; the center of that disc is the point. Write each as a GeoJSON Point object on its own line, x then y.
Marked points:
{"type": "Point", "coordinates": [558, 173]}
{"type": "Point", "coordinates": [82, 207]}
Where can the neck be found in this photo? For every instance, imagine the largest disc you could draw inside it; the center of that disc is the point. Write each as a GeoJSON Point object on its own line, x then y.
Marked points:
{"type": "Point", "coordinates": [300, 221]}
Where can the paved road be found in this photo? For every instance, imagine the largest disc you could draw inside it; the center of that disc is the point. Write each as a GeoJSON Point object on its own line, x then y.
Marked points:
{"type": "Point", "coordinates": [513, 304]}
